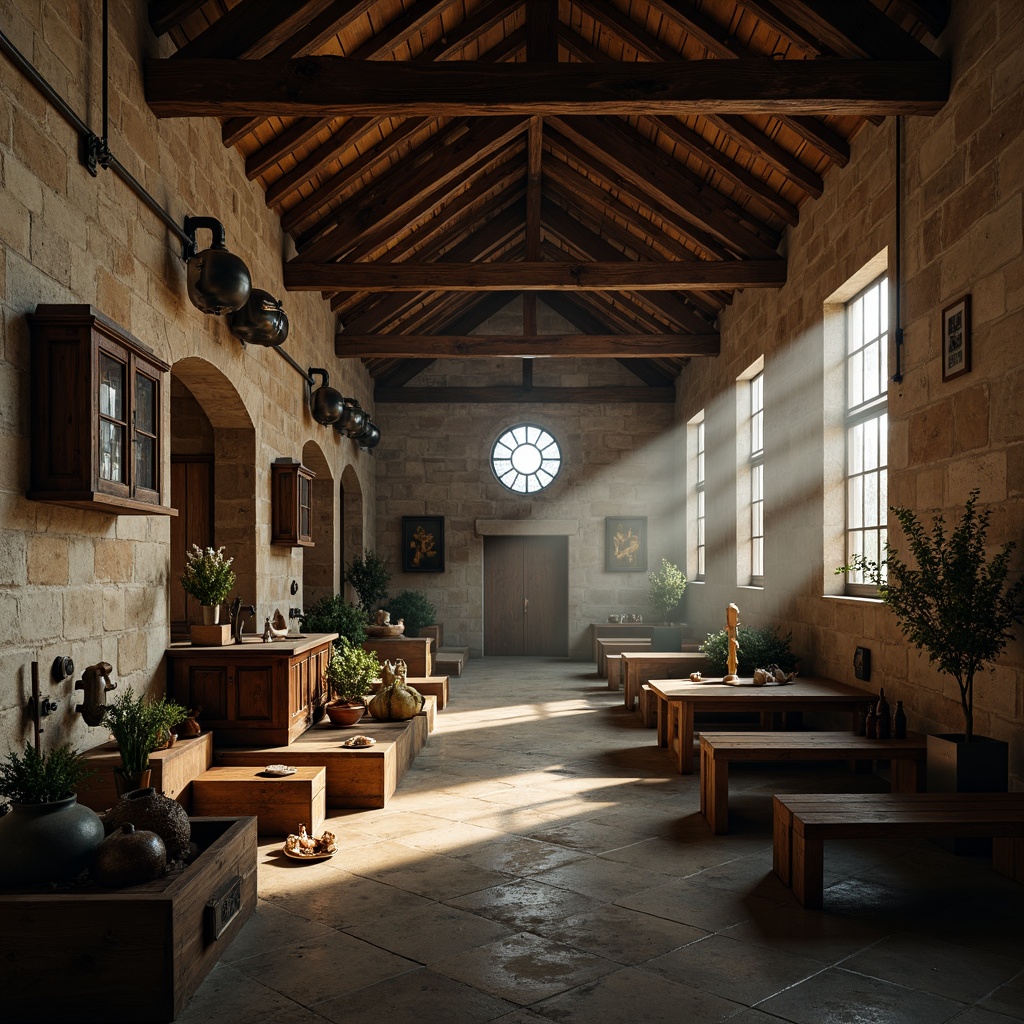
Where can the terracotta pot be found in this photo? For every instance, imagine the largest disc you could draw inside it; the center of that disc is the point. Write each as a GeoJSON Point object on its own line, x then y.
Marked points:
{"type": "Point", "coordinates": [345, 714]}
{"type": "Point", "coordinates": [126, 783]}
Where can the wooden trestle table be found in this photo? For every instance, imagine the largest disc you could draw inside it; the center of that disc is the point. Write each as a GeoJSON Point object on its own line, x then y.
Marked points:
{"type": "Point", "coordinates": [678, 699]}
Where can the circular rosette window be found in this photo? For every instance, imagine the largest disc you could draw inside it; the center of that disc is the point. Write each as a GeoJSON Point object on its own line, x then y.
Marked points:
{"type": "Point", "coordinates": [526, 458]}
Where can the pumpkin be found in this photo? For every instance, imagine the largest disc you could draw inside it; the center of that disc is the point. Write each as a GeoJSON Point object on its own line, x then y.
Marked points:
{"type": "Point", "coordinates": [396, 702]}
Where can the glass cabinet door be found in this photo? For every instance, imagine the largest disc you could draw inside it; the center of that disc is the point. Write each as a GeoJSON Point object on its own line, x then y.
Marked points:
{"type": "Point", "coordinates": [113, 423]}
{"type": "Point", "coordinates": [146, 413]}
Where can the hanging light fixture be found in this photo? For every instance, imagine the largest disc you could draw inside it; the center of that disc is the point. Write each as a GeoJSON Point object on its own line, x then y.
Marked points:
{"type": "Point", "coordinates": [352, 419]}
{"type": "Point", "coordinates": [217, 281]}
{"type": "Point", "coordinates": [326, 403]}
{"type": "Point", "coordinates": [260, 321]}
{"type": "Point", "coordinates": [369, 438]}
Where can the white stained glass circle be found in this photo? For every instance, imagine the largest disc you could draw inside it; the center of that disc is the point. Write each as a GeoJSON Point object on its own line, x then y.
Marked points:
{"type": "Point", "coordinates": [526, 458]}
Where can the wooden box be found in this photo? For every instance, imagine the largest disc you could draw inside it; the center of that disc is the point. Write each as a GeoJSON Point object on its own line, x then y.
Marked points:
{"type": "Point", "coordinates": [280, 803]}
{"type": "Point", "coordinates": [435, 634]}
{"type": "Point", "coordinates": [128, 955]}
{"type": "Point", "coordinates": [211, 636]}
{"type": "Point", "coordinates": [171, 771]}
{"type": "Point", "coordinates": [413, 650]}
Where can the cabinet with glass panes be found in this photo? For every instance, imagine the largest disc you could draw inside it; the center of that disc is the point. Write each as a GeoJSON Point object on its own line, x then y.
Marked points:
{"type": "Point", "coordinates": [97, 414]}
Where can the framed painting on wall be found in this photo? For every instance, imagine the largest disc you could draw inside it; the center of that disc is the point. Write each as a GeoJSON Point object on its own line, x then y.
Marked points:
{"type": "Point", "coordinates": [422, 543]}
{"type": "Point", "coordinates": [956, 339]}
{"type": "Point", "coordinates": [625, 543]}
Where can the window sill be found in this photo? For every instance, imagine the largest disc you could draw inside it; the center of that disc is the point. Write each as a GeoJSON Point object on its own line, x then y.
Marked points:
{"type": "Point", "coordinates": [851, 597]}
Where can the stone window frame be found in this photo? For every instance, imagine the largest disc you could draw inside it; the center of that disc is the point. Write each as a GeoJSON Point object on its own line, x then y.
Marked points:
{"type": "Point", "coordinates": [750, 475]}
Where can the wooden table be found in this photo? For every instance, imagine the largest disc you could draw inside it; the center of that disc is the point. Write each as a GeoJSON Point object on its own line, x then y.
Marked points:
{"type": "Point", "coordinates": [678, 699]}
{"type": "Point", "coordinates": [718, 749]}
{"type": "Point", "coordinates": [638, 667]}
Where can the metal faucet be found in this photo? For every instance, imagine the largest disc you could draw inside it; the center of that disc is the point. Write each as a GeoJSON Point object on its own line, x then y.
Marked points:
{"type": "Point", "coordinates": [237, 612]}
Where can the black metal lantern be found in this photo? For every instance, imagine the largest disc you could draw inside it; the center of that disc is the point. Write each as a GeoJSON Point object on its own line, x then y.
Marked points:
{"type": "Point", "coordinates": [352, 419]}
{"type": "Point", "coordinates": [370, 437]}
{"type": "Point", "coordinates": [218, 281]}
{"type": "Point", "coordinates": [261, 321]}
{"type": "Point", "coordinates": [326, 403]}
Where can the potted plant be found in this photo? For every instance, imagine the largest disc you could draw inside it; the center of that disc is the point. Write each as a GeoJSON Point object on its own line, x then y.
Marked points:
{"type": "Point", "coordinates": [351, 672]}
{"type": "Point", "coordinates": [208, 577]}
{"type": "Point", "coordinates": [414, 608]}
{"type": "Point", "coordinates": [139, 727]}
{"type": "Point", "coordinates": [335, 615]}
{"type": "Point", "coordinates": [956, 605]}
{"type": "Point", "coordinates": [46, 835]}
{"type": "Point", "coordinates": [369, 577]}
{"type": "Point", "coordinates": [666, 591]}
{"type": "Point", "coordinates": [758, 647]}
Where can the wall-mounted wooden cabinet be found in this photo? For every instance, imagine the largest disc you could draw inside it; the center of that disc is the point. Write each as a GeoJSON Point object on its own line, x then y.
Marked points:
{"type": "Point", "coordinates": [97, 414]}
{"type": "Point", "coordinates": [291, 520]}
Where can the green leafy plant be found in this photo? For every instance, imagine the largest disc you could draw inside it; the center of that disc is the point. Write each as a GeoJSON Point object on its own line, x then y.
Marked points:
{"type": "Point", "coordinates": [414, 608]}
{"type": "Point", "coordinates": [667, 586]}
{"type": "Point", "coordinates": [369, 577]}
{"type": "Point", "coordinates": [351, 671]}
{"type": "Point", "coordinates": [34, 778]}
{"type": "Point", "coordinates": [759, 647]}
{"type": "Point", "coordinates": [335, 615]}
{"type": "Point", "coordinates": [139, 726]}
{"type": "Point", "coordinates": [208, 575]}
{"type": "Point", "coordinates": [955, 603]}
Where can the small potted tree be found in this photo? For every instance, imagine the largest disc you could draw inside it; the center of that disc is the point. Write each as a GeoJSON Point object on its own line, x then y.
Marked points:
{"type": "Point", "coordinates": [46, 835]}
{"type": "Point", "coordinates": [335, 615]}
{"type": "Point", "coordinates": [208, 577]}
{"type": "Point", "coordinates": [666, 590]}
{"type": "Point", "coordinates": [957, 605]}
{"type": "Point", "coordinates": [369, 577]}
{"type": "Point", "coordinates": [139, 726]}
{"type": "Point", "coordinates": [414, 609]}
{"type": "Point", "coordinates": [351, 672]}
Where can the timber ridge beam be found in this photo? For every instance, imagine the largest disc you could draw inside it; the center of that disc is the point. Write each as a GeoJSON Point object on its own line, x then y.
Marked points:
{"type": "Point", "coordinates": [338, 86]}
{"type": "Point", "coordinates": [489, 346]}
{"type": "Point", "coordinates": [501, 394]}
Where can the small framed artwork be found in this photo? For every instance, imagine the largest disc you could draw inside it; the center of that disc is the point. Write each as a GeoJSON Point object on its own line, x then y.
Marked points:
{"type": "Point", "coordinates": [422, 543]}
{"type": "Point", "coordinates": [956, 339]}
{"type": "Point", "coordinates": [625, 543]}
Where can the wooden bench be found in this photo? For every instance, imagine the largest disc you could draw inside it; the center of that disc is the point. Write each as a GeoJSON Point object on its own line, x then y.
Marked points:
{"type": "Point", "coordinates": [616, 645]}
{"type": "Point", "coordinates": [279, 803]}
{"type": "Point", "coordinates": [639, 667]}
{"type": "Point", "coordinates": [803, 822]}
{"type": "Point", "coordinates": [718, 749]}
{"type": "Point", "coordinates": [450, 660]}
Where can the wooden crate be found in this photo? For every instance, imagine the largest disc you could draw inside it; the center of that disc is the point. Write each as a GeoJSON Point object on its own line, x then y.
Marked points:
{"type": "Point", "coordinates": [172, 771]}
{"type": "Point", "coordinates": [414, 651]}
{"type": "Point", "coordinates": [130, 955]}
{"type": "Point", "coordinates": [280, 803]}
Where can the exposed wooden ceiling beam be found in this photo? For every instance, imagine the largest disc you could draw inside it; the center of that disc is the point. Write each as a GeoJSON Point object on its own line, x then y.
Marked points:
{"type": "Point", "coordinates": [629, 275]}
{"type": "Point", "coordinates": [318, 86]}
{"type": "Point", "coordinates": [167, 14]}
{"type": "Point", "coordinates": [564, 346]}
{"type": "Point", "coordinates": [502, 395]}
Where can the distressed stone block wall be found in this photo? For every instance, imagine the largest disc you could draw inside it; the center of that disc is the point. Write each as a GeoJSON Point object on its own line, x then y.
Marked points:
{"type": "Point", "coordinates": [963, 173]}
{"type": "Point", "coordinates": [91, 585]}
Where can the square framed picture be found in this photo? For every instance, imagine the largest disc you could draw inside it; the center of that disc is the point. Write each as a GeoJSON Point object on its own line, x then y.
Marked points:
{"type": "Point", "coordinates": [422, 543]}
{"type": "Point", "coordinates": [625, 543]}
{"type": "Point", "coordinates": [956, 339]}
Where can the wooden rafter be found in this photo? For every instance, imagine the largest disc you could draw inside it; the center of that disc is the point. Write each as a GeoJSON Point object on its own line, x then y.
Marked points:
{"type": "Point", "coordinates": [318, 86]}
{"type": "Point", "coordinates": [565, 346]}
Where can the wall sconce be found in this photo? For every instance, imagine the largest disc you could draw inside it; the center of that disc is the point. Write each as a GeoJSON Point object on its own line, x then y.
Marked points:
{"type": "Point", "coordinates": [369, 438]}
{"type": "Point", "coordinates": [218, 281]}
{"type": "Point", "coordinates": [326, 403]}
{"type": "Point", "coordinates": [260, 321]}
{"type": "Point", "coordinates": [352, 419]}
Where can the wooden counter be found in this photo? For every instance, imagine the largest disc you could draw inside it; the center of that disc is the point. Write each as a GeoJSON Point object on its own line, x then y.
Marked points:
{"type": "Point", "coordinates": [253, 694]}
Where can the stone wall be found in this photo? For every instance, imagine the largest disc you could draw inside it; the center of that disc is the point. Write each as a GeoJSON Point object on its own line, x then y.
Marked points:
{"type": "Point", "coordinates": [618, 459]}
{"type": "Point", "coordinates": [91, 585]}
{"type": "Point", "coordinates": [962, 234]}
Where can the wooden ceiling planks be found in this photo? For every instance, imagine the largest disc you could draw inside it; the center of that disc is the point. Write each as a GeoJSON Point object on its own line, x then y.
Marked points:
{"type": "Point", "coordinates": [401, 188]}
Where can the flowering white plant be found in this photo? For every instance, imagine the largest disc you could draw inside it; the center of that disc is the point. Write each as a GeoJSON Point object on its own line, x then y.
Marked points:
{"type": "Point", "coordinates": [208, 576]}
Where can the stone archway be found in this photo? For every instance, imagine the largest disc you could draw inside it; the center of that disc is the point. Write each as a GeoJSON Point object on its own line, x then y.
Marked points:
{"type": "Point", "coordinates": [209, 422]}
{"type": "Point", "coordinates": [351, 532]}
{"type": "Point", "coordinates": [320, 568]}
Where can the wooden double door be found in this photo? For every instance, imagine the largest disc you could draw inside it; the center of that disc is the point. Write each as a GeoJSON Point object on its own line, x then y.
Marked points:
{"type": "Point", "coordinates": [526, 596]}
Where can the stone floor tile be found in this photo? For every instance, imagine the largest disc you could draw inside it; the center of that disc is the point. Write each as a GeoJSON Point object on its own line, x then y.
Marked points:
{"type": "Point", "coordinates": [604, 879]}
{"type": "Point", "coordinates": [231, 997]}
{"type": "Point", "coordinates": [624, 936]}
{"type": "Point", "coordinates": [523, 968]}
{"type": "Point", "coordinates": [430, 933]}
{"type": "Point", "coordinates": [524, 904]}
{"type": "Point", "coordinates": [519, 856]}
{"type": "Point", "coordinates": [422, 996]}
{"type": "Point", "coordinates": [588, 836]}
{"type": "Point", "coordinates": [271, 927]}
{"type": "Point", "coordinates": [630, 996]}
{"type": "Point", "coordinates": [840, 996]}
{"type": "Point", "coordinates": [456, 839]}
{"type": "Point", "coordinates": [982, 1015]}
{"type": "Point", "coordinates": [733, 969]}
{"type": "Point", "coordinates": [688, 902]}
{"type": "Point", "coordinates": [1007, 999]}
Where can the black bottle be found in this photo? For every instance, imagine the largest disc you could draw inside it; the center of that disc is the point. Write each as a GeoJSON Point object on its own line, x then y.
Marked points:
{"type": "Point", "coordinates": [870, 723]}
{"type": "Point", "coordinates": [883, 726]}
{"type": "Point", "coordinates": [899, 722]}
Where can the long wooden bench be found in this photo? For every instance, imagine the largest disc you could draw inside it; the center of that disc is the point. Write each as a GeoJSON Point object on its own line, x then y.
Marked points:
{"type": "Point", "coordinates": [616, 645]}
{"type": "Point", "coordinates": [803, 822]}
{"type": "Point", "coordinates": [639, 667]}
{"type": "Point", "coordinates": [719, 749]}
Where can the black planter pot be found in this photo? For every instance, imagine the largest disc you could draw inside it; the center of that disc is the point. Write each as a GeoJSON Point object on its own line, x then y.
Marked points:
{"type": "Point", "coordinates": [955, 766]}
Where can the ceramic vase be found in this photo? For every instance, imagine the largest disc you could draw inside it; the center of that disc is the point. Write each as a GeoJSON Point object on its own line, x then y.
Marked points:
{"type": "Point", "coordinates": [51, 842]}
{"type": "Point", "coordinates": [211, 614]}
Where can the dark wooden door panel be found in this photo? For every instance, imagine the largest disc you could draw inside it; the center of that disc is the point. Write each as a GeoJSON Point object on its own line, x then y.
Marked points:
{"type": "Point", "coordinates": [503, 596]}
{"type": "Point", "coordinates": [192, 496]}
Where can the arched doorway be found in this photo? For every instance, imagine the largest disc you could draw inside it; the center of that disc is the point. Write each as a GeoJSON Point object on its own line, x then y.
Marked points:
{"type": "Point", "coordinates": [352, 536]}
{"type": "Point", "coordinates": [320, 570]}
{"type": "Point", "coordinates": [213, 479]}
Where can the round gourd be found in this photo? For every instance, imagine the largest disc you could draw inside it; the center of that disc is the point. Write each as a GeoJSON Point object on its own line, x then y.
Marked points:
{"type": "Point", "coordinates": [396, 703]}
